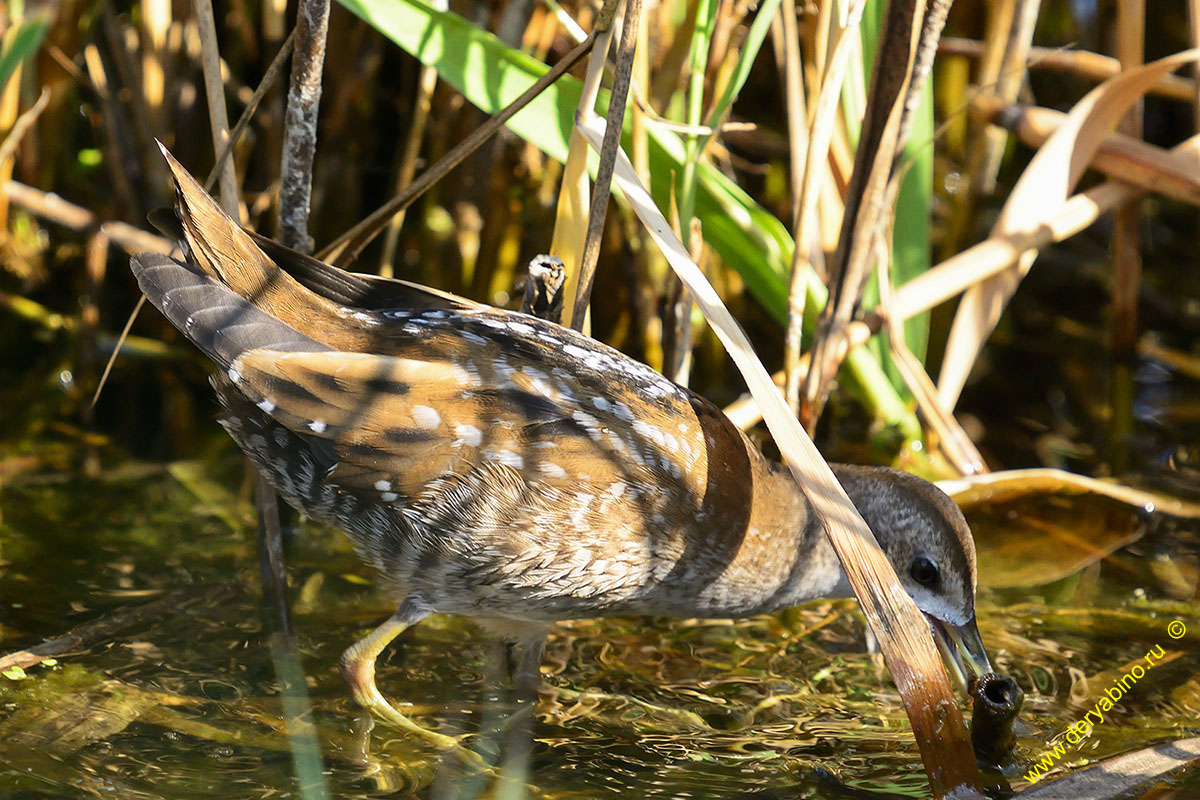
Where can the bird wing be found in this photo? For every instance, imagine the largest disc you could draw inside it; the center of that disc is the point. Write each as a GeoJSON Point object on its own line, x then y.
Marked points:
{"type": "Point", "coordinates": [404, 423]}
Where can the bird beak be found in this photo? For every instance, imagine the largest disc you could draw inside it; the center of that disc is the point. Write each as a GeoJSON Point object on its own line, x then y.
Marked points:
{"type": "Point", "coordinates": [962, 650]}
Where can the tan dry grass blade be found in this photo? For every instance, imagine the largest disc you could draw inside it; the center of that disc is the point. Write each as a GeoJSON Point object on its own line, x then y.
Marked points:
{"type": "Point", "coordinates": [1038, 195]}
{"type": "Point", "coordinates": [999, 486]}
{"type": "Point", "coordinates": [900, 628]}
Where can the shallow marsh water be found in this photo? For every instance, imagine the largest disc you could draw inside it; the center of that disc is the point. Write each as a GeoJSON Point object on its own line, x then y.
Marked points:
{"type": "Point", "coordinates": [186, 703]}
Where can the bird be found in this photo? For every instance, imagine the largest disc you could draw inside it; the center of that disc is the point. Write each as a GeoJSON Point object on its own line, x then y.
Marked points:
{"type": "Point", "coordinates": [502, 467]}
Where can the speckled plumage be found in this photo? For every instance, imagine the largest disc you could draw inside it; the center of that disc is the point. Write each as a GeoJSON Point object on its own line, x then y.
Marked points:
{"type": "Point", "coordinates": [497, 465]}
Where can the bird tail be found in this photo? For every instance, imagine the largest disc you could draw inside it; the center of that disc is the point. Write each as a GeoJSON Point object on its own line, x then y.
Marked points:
{"type": "Point", "coordinates": [213, 317]}
{"type": "Point", "coordinates": [217, 246]}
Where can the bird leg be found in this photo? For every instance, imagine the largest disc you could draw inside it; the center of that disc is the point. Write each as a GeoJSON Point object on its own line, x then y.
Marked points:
{"type": "Point", "coordinates": [518, 734]}
{"type": "Point", "coordinates": [358, 668]}
{"type": "Point", "coordinates": [528, 676]}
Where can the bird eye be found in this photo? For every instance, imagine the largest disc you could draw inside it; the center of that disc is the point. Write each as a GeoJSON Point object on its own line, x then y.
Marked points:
{"type": "Point", "coordinates": [924, 571]}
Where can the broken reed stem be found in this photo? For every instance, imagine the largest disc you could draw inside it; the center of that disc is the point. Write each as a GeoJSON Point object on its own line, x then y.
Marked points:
{"type": "Point", "coordinates": [218, 117]}
{"type": "Point", "coordinates": [902, 631]}
{"type": "Point", "coordinates": [285, 654]}
{"type": "Point", "coordinates": [602, 187]}
{"type": "Point", "coordinates": [300, 124]}
{"type": "Point", "coordinates": [346, 248]}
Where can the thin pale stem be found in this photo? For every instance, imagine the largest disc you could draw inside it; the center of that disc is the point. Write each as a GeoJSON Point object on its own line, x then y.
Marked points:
{"type": "Point", "coordinates": [626, 47]}
{"type": "Point", "coordinates": [210, 59]}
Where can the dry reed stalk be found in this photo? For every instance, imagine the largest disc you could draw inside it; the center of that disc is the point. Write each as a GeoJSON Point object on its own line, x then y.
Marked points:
{"type": "Point", "coordinates": [1127, 240]}
{"type": "Point", "coordinates": [814, 167]}
{"type": "Point", "coordinates": [910, 32]}
{"type": "Point", "coordinates": [901, 630]}
{"type": "Point", "coordinates": [1009, 79]}
{"type": "Point", "coordinates": [574, 195]}
{"type": "Point", "coordinates": [295, 192]}
{"type": "Point", "coordinates": [1085, 63]}
{"type": "Point", "coordinates": [426, 83]}
{"type": "Point", "coordinates": [50, 206]}
{"type": "Point", "coordinates": [217, 116]}
{"type": "Point", "coordinates": [793, 93]}
{"type": "Point", "coordinates": [17, 131]}
{"type": "Point", "coordinates": [639, 134]}
{"type": "Point", "coordinates": [1037, 197]}
{"type": "Point", "coordinates": [602, 186]}
{"type": "Point", "coordinates": [954, 442]}
{"type": "Point", "coordinates": [343, 250]}
{"type": "Point", "coordinates": [300, 124]}
{"type": "Point", "coordinates": [269, 79]}
{"type": "Point", "coordinates": [1166, 172]}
